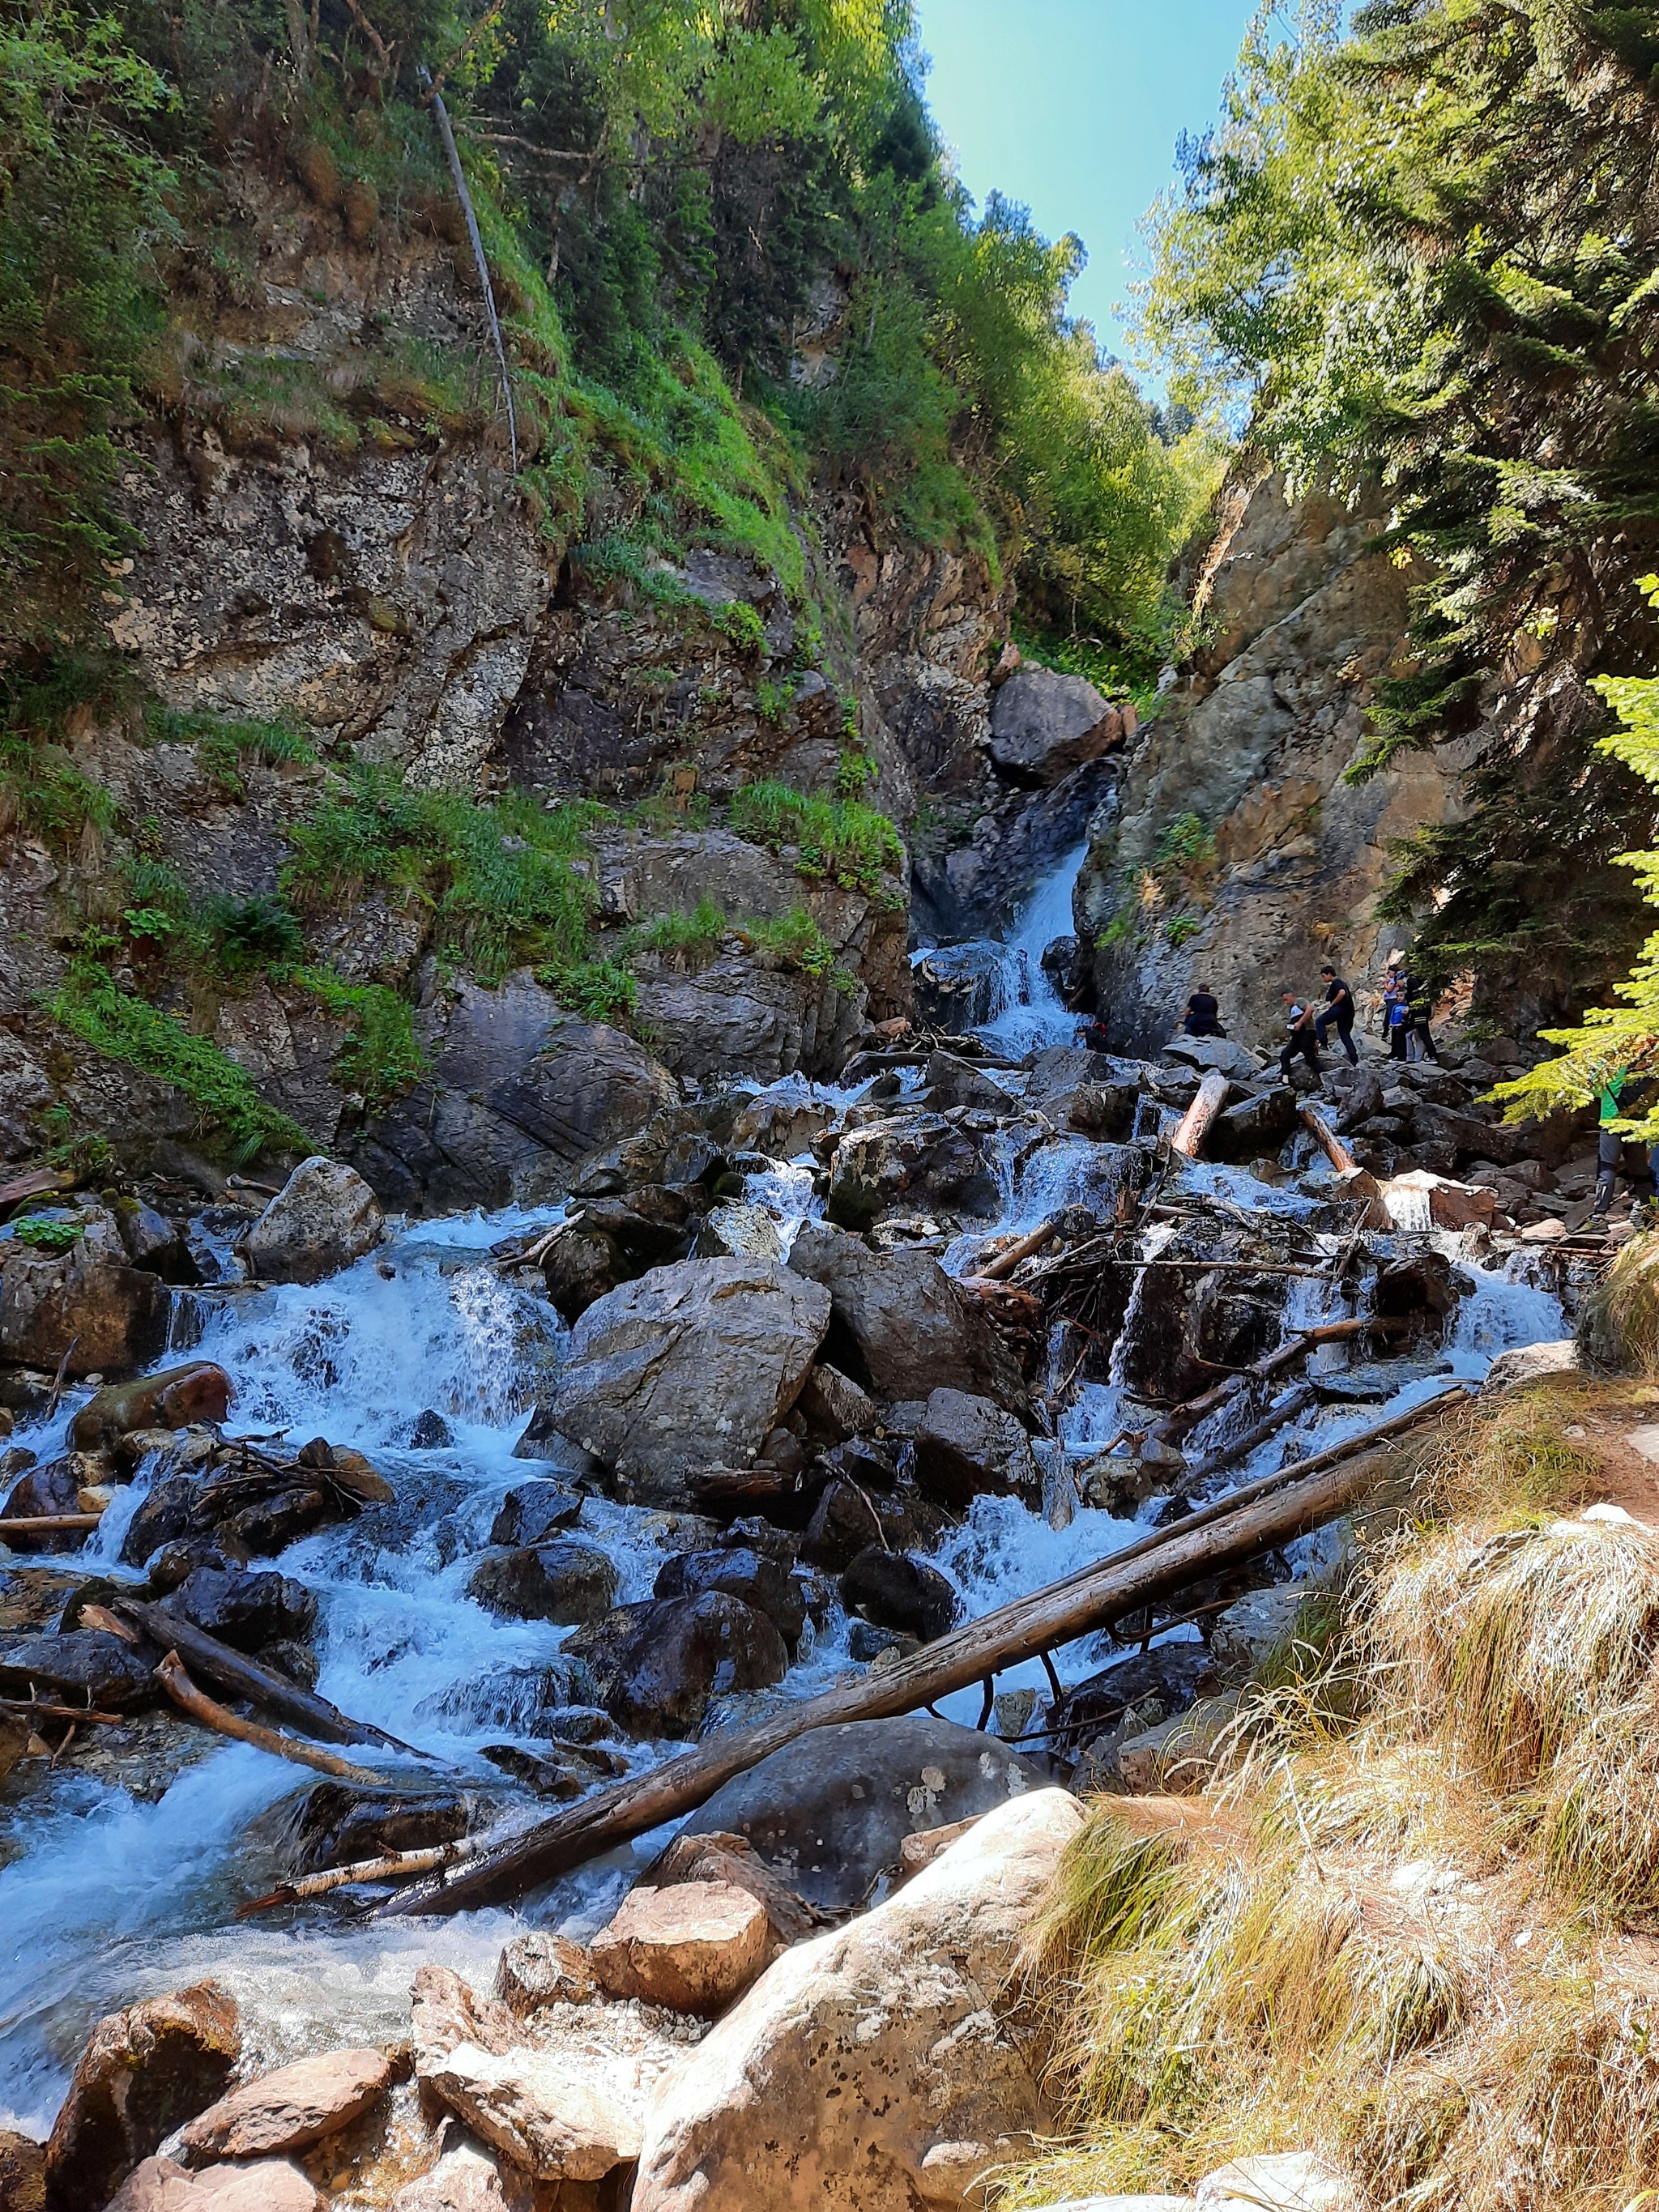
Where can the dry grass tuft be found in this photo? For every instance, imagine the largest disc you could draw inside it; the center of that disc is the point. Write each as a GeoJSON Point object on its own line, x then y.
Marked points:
{"type": "Point", "coordinates": [1386, 1942]}
{"type": "Point", "coordinates": [1618, 1327]}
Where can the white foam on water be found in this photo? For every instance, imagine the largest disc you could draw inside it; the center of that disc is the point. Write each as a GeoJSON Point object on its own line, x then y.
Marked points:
{"type": "Point", "coordinates": [1032, 1015]}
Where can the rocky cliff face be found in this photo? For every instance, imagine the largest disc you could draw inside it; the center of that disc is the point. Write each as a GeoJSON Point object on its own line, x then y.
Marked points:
{"type": "Point", "coordinates": [1240, 856]}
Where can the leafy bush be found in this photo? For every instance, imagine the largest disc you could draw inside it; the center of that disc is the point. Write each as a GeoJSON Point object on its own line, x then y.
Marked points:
{"type": "Point", "coordinates": [1184, 842]}
{"type": "Point", "coordinates": [840, 838]}
{"type": "Point", "coordinates": [47, 1236]}
{"type": "Point", "coordinates": [599, 990]}
{"type": "Point", "coordinates": [742, 624]}
{"type": "Point", "coordinates": [794, 941]}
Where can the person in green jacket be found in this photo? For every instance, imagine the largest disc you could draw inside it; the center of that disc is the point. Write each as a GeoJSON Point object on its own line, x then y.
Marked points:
{"type": "Point", "coordinates": [1609, 1144]}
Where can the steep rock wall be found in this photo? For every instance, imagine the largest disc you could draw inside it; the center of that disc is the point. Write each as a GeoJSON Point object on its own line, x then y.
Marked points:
{"type": "Point", "coordinates": [1240, 856]}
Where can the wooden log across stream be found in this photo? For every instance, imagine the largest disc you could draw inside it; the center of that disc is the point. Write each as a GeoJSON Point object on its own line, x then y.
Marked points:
{"type": "Point", "coordinates": [1258, 1517]}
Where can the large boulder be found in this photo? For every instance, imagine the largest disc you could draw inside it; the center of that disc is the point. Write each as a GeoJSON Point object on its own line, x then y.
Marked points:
{"type": "Point", "coordinates": [290, 2109]}
{"type": "Point", "coordinates": [142, 2072]}
{"type": "Point", "coordinates": [829, 1812]}
{"type": "Point", "coordinates": [690, 1368]}
{"type": "Point", "coordinates": [567, 1583]}
{"type": "Point", "coordinates": [965, 1446]}
{"type": "Point", "coordinates": [763, 1580]}
{"type": "Point", "coordinates": [695, 1947]}
{"type": "Point", "coordinates": [264, 2184]}
{"type": "Point", "coordinates": [886, 2055]}
{"type": "Point", "coordinates": [22, 2172]}
{"type": "Point", "coordinates": [1213, 1051]}
{"type": "Point", "coordinates": [325, 1217]}
{"type": "Point", "coordinates": [173, 1399]}
{"type": "Point", "coordinates": [85, 1307]}
{"type": "Point", "coordinates": [1044, 725]}
{"type": "Point", "coordinates": [245, 1609]}
{"type": "Point", "coordinates": [907, 1326]}
{"type": "Point", "coordinates": [912, 1160]}
{"type": "Point", "coordinates": [87, 1667]}
{"type": "Point", "coordinates": [893, 1591]}
{"type": "Point", "coordinates": [685, 1651]}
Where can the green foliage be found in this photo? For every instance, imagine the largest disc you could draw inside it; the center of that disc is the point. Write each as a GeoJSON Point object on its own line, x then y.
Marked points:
{"type": "Point", "coordinates": [1184, 842]}
{"type": "Point", "coordinates": [1612, 1040]}
{"type": "Point", "coordinates": [225, 744]}
{"type": "Point", "coordinates": [742, 624]}
{"type": "Point", "coordinates": [599, 990]}
{"type": "Point", "coordinates": [125, 1028]}
{"type": "Point", "coordinates": [693, 936]}
{"type": "Point", "coordinates": [855, 773]}
{"type": "Point", "coordinates": [48, 1236]}
{"type": "Point", "coordinates": [840, 838]}
{"type": "Point", "coordinates": [381, 1057]}
{"type": "Point", "coordinates": [240, 936]}
{"type": "Point", "coordinates": [41, 787]}
{"type": "Point", "coordinates": [794, 941]}
{"type": "Point", "coordinates": [1181, 926]}
{"type": "Point", "coordinates": [83, 203]}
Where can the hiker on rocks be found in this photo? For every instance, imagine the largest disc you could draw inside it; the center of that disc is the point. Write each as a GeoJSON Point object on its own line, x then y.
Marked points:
{"type": "Point", "coordinates": [1301, 1043]}
{"type": "Point", "coordinates": [1397, 1012]}
{"type": "Point", "coordinates": [1096, 1035]}
{"type": "Point", "coordinates": [1339, 1009]}
{"type": "Point", "coordinates": [1203, 1014]}
{"type": "Point", "coordinates": [1609, 1145]}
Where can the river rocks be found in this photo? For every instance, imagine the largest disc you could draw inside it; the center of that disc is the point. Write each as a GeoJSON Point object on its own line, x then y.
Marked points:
{"type": "Point", "coordinates": [289, 2110]}
{"type": "Point", "coordinates": [695, 1947]}
{"type": "Point", "coordinates": [953, 1082]}
{"type": "Point", "coordinates": [532, 1512]}
{"type": "Point", "coordinates": [23, 2174]}
{"type": "Point", "coordinates": [325, 1217]}
{"type": "Point", "coordinates": [686, 1651]}
{"type": "Point", "coordinates": [958, 986]}
{"type": "Point", "coordinates": [85, 1307]}
{"type": "Point", "coordinates": [1043, 725]}
{"type": "Point", "coordinates": [1257, 1126]}
{"type": "Point", "coordinates": [1212, 1052]}
{"type": "Point", "coordinates": [916, 1160]}
{"type": "Point", "coordinates": [763, 1582]}
{"type": "Point", "coordinates": [581, 1266]}
{"type": "Point", "coordinates": [829, 1813]}
{"type": "Point", "coordinates": [567, 1583]}
{"type": "Point", "coordinates": [142, 2072]}
{"type": "Point", "coordinates": [913, 1329]}
{"type": "Point", "coordinates": [1421, 1200]}
{"type": "Point", "coordinates": [267, 2184]}
{"type": "Point", "coordinates": [833, 1404]}
{"type": "Point", "coordinates": [176, 1398]}
{"type": "Point", "coordinates": [738, 1232]}
{"type": "Point", "coordinates": [847, 1516]}
{"type": "Point", "coordinates": [884, 2054]}
{"type": "Point", "coordinates": [893, 1591]}
{"type": "Point", "coordinates": [87, 1667]}
{"type": "Point", "coordinates": [464, 2179]}
{"type": "Point", "coordinates": [691, 1367]}
{"type": "Point", "coordinates": [965, 1446]}
{"type": "Point", "coordinates": [1530, 1364]}
{"type": "Point", "coordinates": [1181, 1756]}
{"type": "Point", "coordinates": [245, 1610]}
{"type": "Point", "coordinates": [57, 1488]}
{"type": "Point", "coordinates": [540, 1969]}
{"type": "Point", "coordinates": [338, 1823]}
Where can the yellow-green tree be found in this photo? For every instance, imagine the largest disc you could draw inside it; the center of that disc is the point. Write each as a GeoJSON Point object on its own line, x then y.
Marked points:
{"type": "Point", "coordinates": [1612, 1040]}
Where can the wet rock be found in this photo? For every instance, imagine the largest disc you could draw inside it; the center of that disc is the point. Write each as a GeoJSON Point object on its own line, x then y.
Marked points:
{"type": "Point", "coordinates": [763, 1582]}
{"type": "Point", "coordinates": [1174, 1674]}
{"type": "Point", "coordinates": [87, 1667]}
{"type": "Point", "coordinates": [1220, 1053]}
{"type": "Point", "coordinates": [895, 1591]}
{"type": "Point", "coordinates": [338, 1823]}
{"type": "Point", "coordinates": [908, 1327]}
{"type": "Point", "coordinates": [325, 1217]}
{"type": "Point", "coordinates": [865, 1643]}
{"type": "Point", "coordinates": [847, 1516]}
{"type": "Point", "coordinates": [142, 2072]}
{"type": "Point", "coordinates": [266, 2184]}
{"type": "Point", "coordinates": [1105, 1111]}
{"type": "Point", "coordinates": [562, 1781]}
{"type": "Point", "coordinates": [882, 2053]}
{"type": "Point", "coordinates": [177, 1398]}
{"type": "Point", "coordinates": [1258, 1124]}
{"type": "Point", "coordinates": [958, 986]}
{"type": "Point", "coordinates": [833, 1404]}
{"type": "Point", "coordinates": [736, 1231]}
{"type": "Point", "coordinates": [245, 1609]}
{"type": "Point", "coordinates": [687, 1650]}
{"type": "Point", "coordinates": [690, 1368]}
{"type": "Point", "coordinates": [951, 1081]}
{"type": "Point", "coordinates": [290, 2109]}
{"type": "Point", "coordinates": [465, 2179]}
{"type": "Point", "coordinates": [534, 1511]}
{"type": "Point", "coordinates": [827, 1813]}
{"type": "Point", "coordinates": [1043, 725]}
{"type": "Point", "coordinates": [23, 2174]}
{"type": "Point", "coordinates": [966, 1446]}
{"type": "Point", "coordinates": [1423, 1289]}
{"type": "Point", "coordinates": [540, 1969]}
{"type": "Point", "coordinates": [695, 1947]}
{"type": "Point", "coordinates": [581, 1266]}
{"type": "Point", "coordinates": [915, 1160]}
{"type": "Point", "coordinates": [86, 1307]}
{"type": "Point", "coordinates": [599, 1648]}
{"type": "Point", "coordinates": [1421, 1200]}
{"type": "Point", "coordinates": [290, 1657]}
{"type": "Point", "coordinates": [52, 1489]}
{"type": "Point", "coordinates": [155, 1243]}
{"type": "Point", "coordinates": [568, 1583]}
{"type": "Point", "coordinates": [431, 1432]}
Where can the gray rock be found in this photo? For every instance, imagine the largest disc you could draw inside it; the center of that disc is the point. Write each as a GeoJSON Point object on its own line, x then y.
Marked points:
{"type": "Point", "coordinates": [1044, 725]}
{"type": "Point", "coordinates": [953, 1082]}
{"type": "Point", "coordinates": [829, 1812]}
{"type": "Point", "coordinates": [1529, 1363]}
{"type": "Point", "coordinates": [958, 986]}
{"type": "Point", "coordinates": [1222, 1053]}
{"type": "Point", "coordinates": [892, 1590]}
{"type": "Point", "coordinates": [966, 1446]}
{"type": "Point", "coordinates": [338, 1823]}
{"type": "Point", "coordinates": [834, 1404]}
{"type": "Point", "coordinates": [533, 1512]}
{"type": "Point", "coordinates": [1248, 1633]}
{"type": "Point", "coordinates": [1257, 1126]}
{"type": "Point", "coordinates": [914, 1160]}
{"type": "Point", "coordinates": [690, 1368]}
{"type": "Point", "coordinates": [325, 1217]}
{"type": "Point", "coordinates": [687, 1650]}
{"type": "Point", "coordinates": [567, 1583]}
{"type": "Point", "coordinates": [736, 1231]}
{"type": "Point", "coordinates": [86, 1666]}
{"type": "Point", "coordinates": [761, 1582]}
{"type": "Point", "coordinates": [913, 1330]}
{"type": "Point", "coordinates": [580, 1267]}
{"type": "Point", "coordinates": [245, 1609]}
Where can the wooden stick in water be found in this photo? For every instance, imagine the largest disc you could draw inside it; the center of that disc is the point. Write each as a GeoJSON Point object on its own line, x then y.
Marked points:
{"type": "Point", "coordinates": [393, 1866]}
{"type": "Point", "coordinates": [196, 1703]}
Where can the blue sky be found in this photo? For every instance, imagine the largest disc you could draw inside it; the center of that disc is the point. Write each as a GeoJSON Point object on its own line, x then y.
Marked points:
{"type": "Point", "coordinates": [1074, 107]}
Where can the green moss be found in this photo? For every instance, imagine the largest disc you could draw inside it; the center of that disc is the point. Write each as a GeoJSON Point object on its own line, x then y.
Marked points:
{"type": "Point", "coordinates": [126, 1028]}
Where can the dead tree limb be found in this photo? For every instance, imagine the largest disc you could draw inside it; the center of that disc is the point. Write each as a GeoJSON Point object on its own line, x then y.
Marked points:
{"type": "Point", "coordinates": [1188, 1139]}
{"type": "Point", "coordinates": [392, 1865]}
{"type": "Point", "coordinates": [201, 1707]}
{"type": "Point", "coordinates": [458, 177]}
{"type": "Point", "coordinates": [47, 1524]}
{"type": "Point", "coordinates": [998, 1270]}
{"type": "Point", "coordinates": [1260, 1517]}
{"type": "Point", "coordinates": [1330, 1143]}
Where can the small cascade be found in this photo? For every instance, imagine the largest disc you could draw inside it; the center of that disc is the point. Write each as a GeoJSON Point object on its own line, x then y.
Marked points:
{"type": "Point", "coordinates": [1032, 1015]}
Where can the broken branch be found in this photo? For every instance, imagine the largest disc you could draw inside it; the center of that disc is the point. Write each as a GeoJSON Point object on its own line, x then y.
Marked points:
{"type": "Point", "coordinates": [196, 1703]}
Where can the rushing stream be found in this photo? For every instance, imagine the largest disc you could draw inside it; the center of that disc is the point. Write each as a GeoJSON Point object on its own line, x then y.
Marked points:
{"type": "Point", "coordinates": [105, 1895]}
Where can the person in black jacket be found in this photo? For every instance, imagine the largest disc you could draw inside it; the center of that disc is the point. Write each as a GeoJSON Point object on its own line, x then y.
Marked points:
{"type": "Point", "coordinates": [1203, 1015]}
{"type": "Point", "coordinates": [1338, 1008]}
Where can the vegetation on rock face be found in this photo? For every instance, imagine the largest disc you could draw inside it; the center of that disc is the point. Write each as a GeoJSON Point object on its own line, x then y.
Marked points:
{"type": "Point", "coordinates": [1428, 254]}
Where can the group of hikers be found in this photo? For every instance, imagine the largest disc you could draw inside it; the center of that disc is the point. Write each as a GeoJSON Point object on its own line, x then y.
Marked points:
{"type": "Point", "coordinates": [1309, 1023]}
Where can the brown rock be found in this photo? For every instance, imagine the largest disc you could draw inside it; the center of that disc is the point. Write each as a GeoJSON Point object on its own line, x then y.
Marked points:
{"type": "Point", "coordinates": [286, 2111]}
{"type": "Point", "coordinates": [724, 1858]}
{"type": "Point", "coordinates": [174, 1398]}
{"type": "Point", "coordinates": [447, 2014]}
{"type": "Point", "coordinates": [271, 2185]}
{"type": "Point", "coordinates": [84, 1306]}
{"type": "Point", "coordinates": [23, 2174]}
{"type": "Point", "coordinates": [465, 2179]}
{"type": "Point", "coordinates": [540, 1969]}
{"type": "Point", "coordinates": [694, 1949]}
{"type": "Point", "coordinates": [142, 2072]}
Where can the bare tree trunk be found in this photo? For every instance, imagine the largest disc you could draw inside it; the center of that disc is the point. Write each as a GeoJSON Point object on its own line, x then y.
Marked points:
{"type": "Point", "coordinates": [201, 1707]}
{"type": "Point", "coordinates": [1188, 1139]}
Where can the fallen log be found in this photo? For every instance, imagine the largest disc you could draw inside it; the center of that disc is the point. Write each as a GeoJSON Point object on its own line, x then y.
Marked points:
{"type": "Point", "coordinates": [1188, 1139]}
{"type": "Point", "coordinates": [246, 1677]}
{"type": "Point", "coordinates": [997, 1270]}
{"type": "Point", "coordinates": [1330, 1143]}
{"type": "Point", "coordinates": [33, 1709]}
{"type": "Point", "coordinates": [1261, 1516]}
{"type": "Point", "coordinates": [196, 1703]}
{"type": "Point", "coordinates": [1297, 1401]}
{"type": "Point", "coordinates": [392, 1866]}
{"type": "Point", "coordinates": [47, 1524]}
